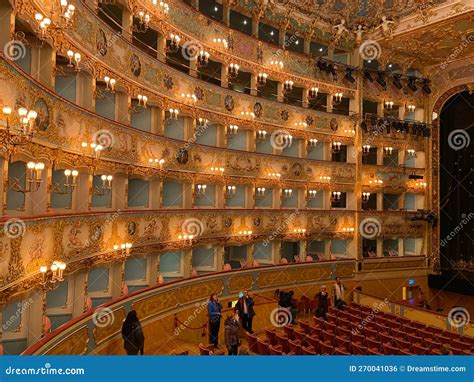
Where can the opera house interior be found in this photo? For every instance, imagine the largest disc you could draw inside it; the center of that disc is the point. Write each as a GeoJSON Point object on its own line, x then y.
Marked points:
{"type": "Point", "coordinates": [213, 177]}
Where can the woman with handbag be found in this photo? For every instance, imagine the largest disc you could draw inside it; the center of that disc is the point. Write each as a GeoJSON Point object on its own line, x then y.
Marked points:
{"type": "Point", "coordinates": [214, 309]}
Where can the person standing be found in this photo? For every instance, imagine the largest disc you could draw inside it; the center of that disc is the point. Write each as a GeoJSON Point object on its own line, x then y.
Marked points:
{"type": "Point", "coordinates": [246, 311]}
{"type": "Point", "coordinates": [214, 309]}
{"type": "Point", "coordinates": [323, 302]}
{"type": "Point", "coordinates": [132, 334]}
{"type": "Point", "coordinates": [231, 331]}
{"type": "Point", "coordinates": [339, 290]}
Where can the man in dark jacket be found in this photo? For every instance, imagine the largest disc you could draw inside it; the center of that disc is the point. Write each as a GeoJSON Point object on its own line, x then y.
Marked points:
{"type": "Point", "coordinates": [132, 334]}
{"type": "Point", "coordinates": [245, 308]}
{"type": "Point", "coordinates": [231, 331]}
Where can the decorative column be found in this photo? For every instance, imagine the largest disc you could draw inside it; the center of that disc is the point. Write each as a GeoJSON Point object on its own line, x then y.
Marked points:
{"type": "Point", "coordinates": [7, 27]}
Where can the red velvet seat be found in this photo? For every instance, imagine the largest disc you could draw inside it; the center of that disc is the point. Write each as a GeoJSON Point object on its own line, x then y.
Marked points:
{"type": "Point", "coordinates": [318, 321]}
{"type": "Point", "coordinates": [370, 333]}
{"type": "Point", "coordinates": [330, 327]}
{"type": "Point", "coordinates": [263, 347]}
{"type": "Point", "coordinates": [326, 349]}
{"type": "Point", "coordinates": [385, 338]}
{"type": "Point", "coordinates": [295, 347]}
{"type": "Point", "coordinates": [283, 342]}
{"type": "Point", "coordinates": [373, 344]}
{"type": "Point", "coordinates": [339, 351]}
{"type": "Point", "coordinates": [300, 336]}
{"type": "Point", "coordinates": [331, 319]}
{"type": "Point", "coordinates": [308, 351]}
{"type": "Point", "coordinates": [289, 332]}
{"type": "Point", "coordinates": [420, 350]}
{"type": "Point", "coordinates": [415, 340]}
{"type": "Point", "coordinates": [373, 352]}
{"type": "Point", "coordinates": [327, 337]}
{"type": "Point", "coordinates": [252, 342]}
{"type": "Point", "coordinates": [271, 336]}
{"type": "Point", "coordinates": [340, 331]}
{"type": "Point", "coordinates": [343, 343]}
{"type": "Point", "coordinates": [316, 331]}
{"type": "Point", "coordinates": [358, 339]}
{"type": "Point", "coordinates": [389, 349]}
{"type": "Point", "coordinates": [304, 325]}
{"type": "Point", "coordinates": [358, 349]}
{"type": "Point", "coordinates": [314, 343]}
{"type": "Point", "coordinates": [275, 350]}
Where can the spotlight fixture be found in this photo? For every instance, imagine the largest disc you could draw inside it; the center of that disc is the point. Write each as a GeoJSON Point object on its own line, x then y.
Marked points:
{"type": "Point", "coordinates": [348, 76]}
{"type": "Point", "coordinates": [412, 83]}
{"type": "Point", "coordinates": [381, 80]}
{"type": "Point", "coordinates": [397, 81]}
{"type": "Point", "coordinates": [426, 86]}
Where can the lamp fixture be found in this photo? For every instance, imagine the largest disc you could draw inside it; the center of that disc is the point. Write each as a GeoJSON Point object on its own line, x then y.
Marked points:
{"type": "Point", "coordinates": [230, 191]}
{"type": "Point", "coordinates": [142, 100]}
{"type": "Point", "coordinates": [312, 194]}
{"type": "Point", "coordinates": [348, 229]}
{"type": "Point", "coordinates": [336, 196]}
{"type": "Point", "coordinates": [186, 238]}
{"type": "Point", "coordinates": [219, 170]}
{"type": "Point", "coordinates": [337, 98]}
{"type": "Point", "coordinates": [173, 113]}
{"type": "Point", "coordinates": [411, 152]}
{"type": "Point", "coordinates": [92, 148]}
{"type": "Point", "coordinates": [262, 79]}
{"type": "Point", "coordinates": [312, 142]}
{"type": "Point", "coordinates": [110, 83]}
{"type": "Point", "coordinates": [350, 131]}
{"type": "Point", "coordinates": [299, 231]}
{"type": "Point", "coordinates": [123, 250]}
{"type": "Point", "coordinates": [376, 182]}
{"type": "Point", "coordinates": [250, 114]}
{"type": "Point", "coordinates": [69, 185]}
{"type": "Point", "coordinates": [33, 179]}
{"type": "Point", "coordinates": [389, 105]}
{"type": "Point", "coordinates": [313, 93]}
{"type": "Point", "coordinates": [276, 64]}
{"type": "Point", "coordinates": [203, 58]}
{"type": "Point", "coordinates": [260, 191]}
{"type": "Point", "coordinates": [245, 232]}
{"type": "Point", "coordinates": [421, 184]}
{"type": "Point", "coordinates": [365, 197]}
{"type": "Point", "coordinates": [202, 122]}
{"type": "Point", "coordinates": [261, 134]}
{"type": "Point", "coordinates": [52, 274]}
{"type": "Point", "coordinates": [73, 56]}
{"type": "Point", "coordinates": [173, 45]}
{"type": "Point", "coordinates": [189, 97]}
{"type": "Point", "coordinates": [287, 192]}
{"type": "Point", "coordinates": [301, 124]}
{"type": "Point", "coordinates": [325, 178]}
{"type": "Point", "coordinates": [233, 70]}
{"type": "Point", "coordinates": [388, 151]}
{"type": "Point", "coordinates": [200, 190]}
{"type": "Point", "coordinates": [232, 130]}
{"type": "Point", "coordinates": [365, 150]}
{"type": "Point", "coordinates": [163, 7]}
{"type": "Point", "coordinates": [143, 21]}
{"type": "Point", "coordinates": [106, 186]}
{"type": "Point", "coordinates": [411, 108]}
{"type": "Point", "coordinates": [336, 147]}
{"type": "Point", "coordinates": [21, 133]}
{"type": "Point", "coordinates": [156, 162]}
{"type": "Point", "coordinates": [220, 42]}
{"type": "Point", "coordinates": [274, 175]}
{"type": "Point", "coordinates": [288, 86]}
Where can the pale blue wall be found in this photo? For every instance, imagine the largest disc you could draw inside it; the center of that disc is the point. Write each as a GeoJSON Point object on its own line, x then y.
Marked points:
{"type": "Point", "coordinates": [135, 270]}
{"type": "Point", "coordinates": [138, 191]}
{"type": "Point", "coordinates": [174, 128]}
{"type": "Point", "coordinates": [264, 147]}
{"type": "Point", "coordinates": [293, 150]}
{"type": "Point", "coordinates": [172, 194]}
{"type": "Point", "coordinates": [409, 245]}
{"type": "Point", "coordinates": [57, 298]}
{"type": "Point", "coordinates": [234, 254]}
{"type": "Point", "coordinates": [11, 316]}
{"type": "Point", "coordinates": [204, 257]}
{"type": "Point", "coordinates": [291, 202]}
{"type": "Point", "coordinates": [66, 87]}
{"type": "Point", "coordinates": [208, 136]}
{"type": "Point", "coordinates": [317, 202]}
{"type": "Point", "coordinates": [141, 120]}
{"type": "Point", "coordinates": [14, 347]}
{"type": "Point", "coordinates": [24, 62]}
{"type": "Point", "coordinates": [98, 279]}
{"type": "Point", "coordinates": [170, 262]}
{"type": "Point", "coordinates": [316, 152]}
{"type": "Point", "coordinates": [410, 161]}
{"type": "Point", "coordinates": [16, 200]}
{"type": "Point", "coordinates": [339, 247]}
{"type": "Point", "coordinates": [209, 199]}
{"type": "Point", "coordinates": [58, 320]}
{"type": "Point", "coordinates": [58, 200]}
{"type": "Point", "coordinates": [262, 252]}
{"type": "Point", "coordinates": [239, 198]}
{"type": "Point", "coordinates": [410, 201]}
{"type": "Point", "coordinates": [238, 141]}
{"type": "Point", "coordinates": [97, 200]}
{"type": "Point", "coordinates": [106, 106]}
{"type": "Point", "coordinates": [266, 201]}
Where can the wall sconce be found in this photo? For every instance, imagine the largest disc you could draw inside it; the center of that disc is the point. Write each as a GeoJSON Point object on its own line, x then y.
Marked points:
{"type": "Point", "coordinates": [43, 23]}
{"type": "Point", "coordinates": [92, 147]}
{"type": "Point", "coordinates": [284, 140]}
{"type": "Point", "coordinates": [249, 114]}
{"type": "Point", "coordinates": [421, 184]}
{"type": "Point", "coordinates": [200, 190]}
{"type": "Point", "coordinates": [312, 142]}
{"type": "Point", "coordinates": [411, 108]}
{"type": "Point", "coordinates": [288, 86]}
{"type": "Point", "coordinates": [336, 147]}
{"type": "Point", "coordinates": [143, 22]}
{"type": "Point", "coordinates": [219, 170]}
{"type": "Point", "coordinates": [301, 124]}
{"type": "Point", "coordinates": [348, 229]}
{"type": "Point", "coordinates": [33, 179]}
{"type": "Point", "coordinates": [70, 183]}
{"type": "Point", "coordinates": [124, 249]}
{"type": "Point", "coordinates": [262, 79]}
{"type": "Point", "coordinates": [52, 275]}
{"type": "Point", "coordinates": [77, 59]}
{"type": "Point", "coordinates": [106, 186]}
{"type": "Point", "coordinates": [260, 192]}
{"type": "Point", "coordinates": [274, 175]}
{"type": "Point", "coordinates": [173, 45]}
{"type": "Point", "coordinates": [173, 113]}
{"type": "Point", "coordinates": [299, 231]}
{"type": "Point", "coordinates": [156, 162]}
{"type": "Point", "coordinates": [142, 100]}
{"type": "Point", "coordinates": [109, 84]}
{"type": "Point", "coordinates": [312, 194]}
{"type": "Point", "coordinates": [261, 134]}
{"type": "Point", "coordinates": [365, 150]}
{"type": "Point", "coordinates": [389, 105]}
{"type": "Point", "coordinates": [350, 131]}
{"type": "Point", "coordinates": [336, 196]}
{"type": "Point", "coordinates": [287, 192]}
{"type": "Point", "coordinates": [164, 8]}
{"type": "Point", "coordinates": [276, 65]}
{"type": "Point", "coordinates": [230, 191]}
{"type": "Point", "coordinates": [188, 239]}
{"type": "Point", "coordinates": [203, 58]}
{"type": "Point", "coordinates": [365, 197]}
{"type": "Point", "coordinates": [411, 153]}
{"type": "Point", "coordinates": [188, 97]}
{"type": "Point", "coordinates": [325, 178]}
{"type": "Point", "coordinates": [313, 93]}
{"type": "Point", "coordinates": [376, 182]}
{"type": "Point", "coordinates": [220, 42]}
{"type": "Point", "coordinates": [233, 70]}
{"type": "Point", "coordinates": [246, 233]}
{"type": "Point", "coordinates": [387, 151]}
{"type": "Point", "coordinates": [232, 130]}
{"type": "Point", "coordinates": [201, 122]}
{"type": "Point", "coordinates": [22, 133]}
{"type": "Point", "coordinates": [337, 98]}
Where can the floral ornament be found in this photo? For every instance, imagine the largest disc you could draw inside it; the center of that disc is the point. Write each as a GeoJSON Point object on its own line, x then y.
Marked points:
{"type": "Point", "coordinates": [285, 115]}
{"type": "Point", "coordinates": [168, 82]}
{"type": "Point", "coordinates": [199, 93]}
{"type": "Point", "coordinates": [229, 103]}
{"type": "Point", "coordinates": [309, 120]}
{"type": "Point", "coordinates": [258, 109]}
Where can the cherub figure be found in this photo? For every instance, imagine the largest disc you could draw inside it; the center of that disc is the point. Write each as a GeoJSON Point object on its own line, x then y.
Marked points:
{"type": "Point", "coordinates": [359, 32]}
{"type": "Point", "coordinates": [387, 26]}
{"type": "Point", "coordinates": [340, 29]}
